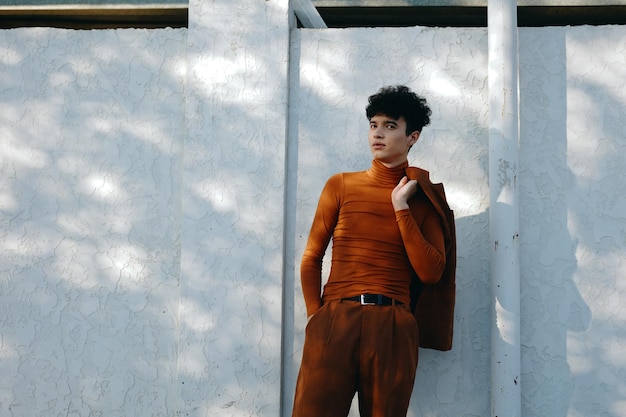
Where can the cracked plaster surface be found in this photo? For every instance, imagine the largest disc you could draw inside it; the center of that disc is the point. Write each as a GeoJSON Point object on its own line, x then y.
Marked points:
{"type": "Point", "coordinates": [134, 280]}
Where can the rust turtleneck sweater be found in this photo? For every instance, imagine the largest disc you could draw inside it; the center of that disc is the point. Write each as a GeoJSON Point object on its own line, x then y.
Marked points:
{"type": "Point", "coordinates": [375, 249]}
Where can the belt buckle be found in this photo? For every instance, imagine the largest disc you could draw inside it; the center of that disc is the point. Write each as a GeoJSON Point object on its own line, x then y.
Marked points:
{"type": "Point", "coordinates": [366, 300]}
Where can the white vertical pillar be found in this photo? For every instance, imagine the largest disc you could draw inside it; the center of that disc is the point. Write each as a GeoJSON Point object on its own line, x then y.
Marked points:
{"type": "Point", "coordinates": [504, 208]}
{"type": "Point", "coordinates": [229, 359]}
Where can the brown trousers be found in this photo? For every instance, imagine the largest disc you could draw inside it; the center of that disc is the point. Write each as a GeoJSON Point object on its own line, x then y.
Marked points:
{"type": "Point", "coordinates": [350, 348]}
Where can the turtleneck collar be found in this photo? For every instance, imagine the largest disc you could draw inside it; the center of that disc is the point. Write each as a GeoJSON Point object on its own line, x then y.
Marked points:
{"type": "Point", "coordinates": [385, 175]}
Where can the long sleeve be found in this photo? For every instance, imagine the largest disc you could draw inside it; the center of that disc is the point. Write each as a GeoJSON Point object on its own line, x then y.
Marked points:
{"type": "Point", "coordinates": [424, 244]}
{"type": "Point", "coordinates": [321, 232]}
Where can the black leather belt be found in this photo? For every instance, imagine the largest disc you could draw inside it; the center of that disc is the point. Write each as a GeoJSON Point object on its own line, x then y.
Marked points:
{"type": "Point", "coordinates": [373, 300]}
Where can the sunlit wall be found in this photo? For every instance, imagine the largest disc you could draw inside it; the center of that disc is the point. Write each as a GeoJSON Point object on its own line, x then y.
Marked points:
{"type": "Point", "coordinates": [157, 187]}
{"type": "Point", "coordinates": [91, 133]}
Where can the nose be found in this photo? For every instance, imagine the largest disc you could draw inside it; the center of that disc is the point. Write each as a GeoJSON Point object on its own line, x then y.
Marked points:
{"type": "Point", "coordinates": [377, 132]}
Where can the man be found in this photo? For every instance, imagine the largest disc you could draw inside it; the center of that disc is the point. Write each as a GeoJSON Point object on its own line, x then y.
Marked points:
{"type": "Point", "coordinates": [362, 336]}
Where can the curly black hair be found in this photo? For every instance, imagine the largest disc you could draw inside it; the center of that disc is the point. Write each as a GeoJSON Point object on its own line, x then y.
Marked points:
{"type": "Point", "coordinates": [399, 101]}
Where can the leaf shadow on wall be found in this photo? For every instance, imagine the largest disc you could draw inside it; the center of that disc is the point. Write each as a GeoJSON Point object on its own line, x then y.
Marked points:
{"type": "Point", "coordinates": [89, 260]}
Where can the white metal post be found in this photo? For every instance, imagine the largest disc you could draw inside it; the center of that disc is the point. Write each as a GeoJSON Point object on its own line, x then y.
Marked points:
{"type": "Point", "coordinates": [504, 208]}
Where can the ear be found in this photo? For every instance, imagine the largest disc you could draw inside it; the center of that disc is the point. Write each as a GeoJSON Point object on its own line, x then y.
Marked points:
{"type": "Point", "coordinates": [413, 137]}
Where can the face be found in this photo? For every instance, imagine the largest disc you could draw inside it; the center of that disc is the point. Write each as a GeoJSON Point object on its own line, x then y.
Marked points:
{"type": "Point", "coordinates": [388, 140]}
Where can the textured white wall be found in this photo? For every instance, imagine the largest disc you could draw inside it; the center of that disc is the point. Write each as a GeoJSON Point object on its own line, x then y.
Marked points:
{"type": "Point", "coordinates": [573, 209]}
{"type": "Point", "coordinates": [90, 145]}
{"type": "Point", "coordinates": [232, 253]}
{"type": "Point", "coordinates": [141, 209]}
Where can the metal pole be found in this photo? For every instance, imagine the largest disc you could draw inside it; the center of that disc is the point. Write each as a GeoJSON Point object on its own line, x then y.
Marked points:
{"type": "Point", "coordinates": [504, 208]}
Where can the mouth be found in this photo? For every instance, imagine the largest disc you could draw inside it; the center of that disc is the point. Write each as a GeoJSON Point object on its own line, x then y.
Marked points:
{"type": "Point", "coordinates": [378, 145]}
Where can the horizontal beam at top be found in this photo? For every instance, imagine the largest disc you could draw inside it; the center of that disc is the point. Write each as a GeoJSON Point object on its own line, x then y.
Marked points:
{"type": "Point", "coordinates": [461, 3]}
{"type": "Point", "coordinates": [95, 16]}
{"type": "Point", "coordinates": [453, 16]}
{"type": "Point", "coordinates": [176, 15]}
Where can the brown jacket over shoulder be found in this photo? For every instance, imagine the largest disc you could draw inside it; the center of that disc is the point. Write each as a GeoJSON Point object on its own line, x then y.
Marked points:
{"type": "Point", "coordinates": [433, 305]}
